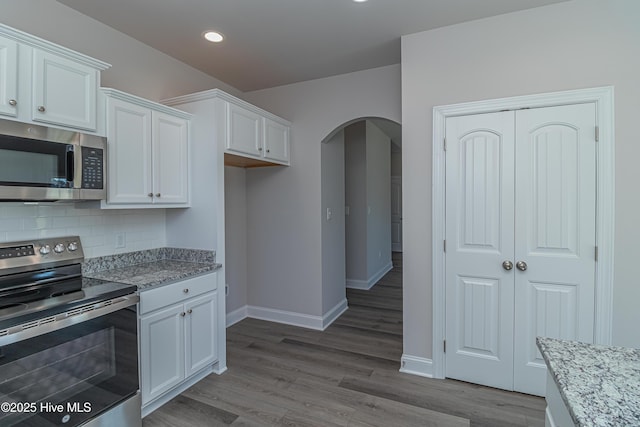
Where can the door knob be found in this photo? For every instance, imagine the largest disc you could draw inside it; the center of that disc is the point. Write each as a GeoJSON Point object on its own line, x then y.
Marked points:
{"type": "Point", "coordinates": [521, 265]}
{"type": "Point", "coordinates": [507, 265]}
{"type": "Point", "coordinates": [13, 102]}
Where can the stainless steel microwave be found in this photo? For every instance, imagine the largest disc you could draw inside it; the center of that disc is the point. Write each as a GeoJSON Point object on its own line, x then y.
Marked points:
{"type": "Point", "coordinates": [39, 163]}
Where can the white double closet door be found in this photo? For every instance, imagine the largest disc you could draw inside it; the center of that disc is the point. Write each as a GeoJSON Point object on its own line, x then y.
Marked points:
{"type": "Point", "coordinates": [520, 240]}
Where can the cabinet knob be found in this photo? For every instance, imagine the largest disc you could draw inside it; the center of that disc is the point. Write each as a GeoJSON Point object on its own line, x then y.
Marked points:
{"type": "Point", "coordinates": [259, 148]}
{"type": "Point", "coordinates": [158, 194]}
{"type": "Point", "coordinates": [268, 151]}
{"type": "Point", "coordinates": [185, 290]}
{"type": "Point", "coordinates": [183, 314]}
{"type": "Point", "coordinates": [13, 102]}
{"type": "Point", "coordinates": [189, 311]}
{"type": "Point", "coordinates": [150, 194]}
{"type": "Point", "coordinates": [42, 109]}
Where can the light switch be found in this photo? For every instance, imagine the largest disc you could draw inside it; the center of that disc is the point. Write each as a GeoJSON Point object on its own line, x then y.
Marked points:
{"type": "Point", "coordinates": [347, 210]}
{"type": "Point", "coordinates": [329, 214]}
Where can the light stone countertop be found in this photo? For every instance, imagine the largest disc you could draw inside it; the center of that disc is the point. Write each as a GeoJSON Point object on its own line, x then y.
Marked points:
{"type": "Point", "coordinates": [151, 268]}
{"type": "Point", "coordinates": [600, 385]}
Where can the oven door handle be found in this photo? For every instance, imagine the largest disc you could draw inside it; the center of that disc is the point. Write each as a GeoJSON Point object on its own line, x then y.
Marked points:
{"type": "Point", "coordinates": [59, 321]}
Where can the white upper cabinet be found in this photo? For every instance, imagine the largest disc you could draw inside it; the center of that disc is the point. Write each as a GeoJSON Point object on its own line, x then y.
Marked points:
{"type": "Point", "coordinates": [247, 136]}
{"type": "Point", "coordinates": [8, 77]}
{"type": "Point", "coordinates": [41, 82]}
{"type": "Point", "coordinates": [148, 153]}
{"type": "Point", "coordinates": [276, 141]}
{"type": "Point", "coordinates": [253, 133]}
{"type": "Point", "coordinates": [129, 153]}
{"type": "Point", "coordinates": [64, 91]}
{"type": "Point", "coordinates": [170, 158]}
{"type": "Point", "coordinates": [244, 131]}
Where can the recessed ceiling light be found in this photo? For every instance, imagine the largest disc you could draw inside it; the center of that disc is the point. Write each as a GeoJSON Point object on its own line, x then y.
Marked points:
{"type": "Point", "coordinates": [359, 1]}
{"type": "Point", "coordinates": [213, 36]}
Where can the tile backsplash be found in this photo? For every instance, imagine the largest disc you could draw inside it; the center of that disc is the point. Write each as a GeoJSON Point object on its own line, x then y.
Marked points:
{"type": "Point", "coordinates": [102, 232]}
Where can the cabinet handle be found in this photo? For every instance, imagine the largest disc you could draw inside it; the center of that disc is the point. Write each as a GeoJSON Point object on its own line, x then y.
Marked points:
{"type": "Point", "coordinates": [13, 102]}
{"type": "Point", "coordinates": [41, 109]}
{"type": "Point", "coordinates": [185, 290]}
{"type": "Point", "coordinates": [183, 314]}
{"type": "Point", "coordinates": [189, 311]}
{"type": "Point", "coordinates": [158, 194]}
{"type": "Point", "coordinates": [150, 194]}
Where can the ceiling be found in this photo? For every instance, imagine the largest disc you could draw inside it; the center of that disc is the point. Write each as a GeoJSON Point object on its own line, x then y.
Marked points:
{"type": "Point", "coordinates": [275, 42]}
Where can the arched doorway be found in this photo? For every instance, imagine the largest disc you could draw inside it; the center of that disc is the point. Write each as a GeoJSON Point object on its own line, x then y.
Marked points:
{"type": "Point", "coordinates": [360, 162]}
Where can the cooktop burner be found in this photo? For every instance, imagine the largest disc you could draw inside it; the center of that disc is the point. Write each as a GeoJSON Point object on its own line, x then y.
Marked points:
{"type": "Point", "coordinates": [44, 277]}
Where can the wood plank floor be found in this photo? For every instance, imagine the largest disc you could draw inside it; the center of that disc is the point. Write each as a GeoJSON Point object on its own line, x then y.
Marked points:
{"type": "Point", "coordinates": [281, 375]}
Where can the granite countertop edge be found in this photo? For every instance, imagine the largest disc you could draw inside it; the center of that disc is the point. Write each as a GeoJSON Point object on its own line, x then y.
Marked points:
{"type": "Point", "coordinates": [542, 344]}
{"type": "Point", "coordinates": [151, 268]}
{"type": "Point", "coordinates": [587, 377]}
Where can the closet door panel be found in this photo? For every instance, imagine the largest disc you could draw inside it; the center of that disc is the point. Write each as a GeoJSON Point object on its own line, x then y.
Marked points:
{"type": "Point", "coordinates": [554, 233]}
{"type": "Point", "coordinates": [479, 237]}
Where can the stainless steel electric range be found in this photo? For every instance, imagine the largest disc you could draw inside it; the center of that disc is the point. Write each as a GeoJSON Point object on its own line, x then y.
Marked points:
{"type": "Point", "coordinates": [68, 344]}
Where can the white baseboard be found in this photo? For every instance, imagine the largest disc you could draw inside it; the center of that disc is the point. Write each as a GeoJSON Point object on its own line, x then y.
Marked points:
{"type": "Point", "coordinates": [415, 365]}
{"type": "Point", "coordinates": [368, 284]}
{"type": "Point", "coordinates": [292, 318]}
{"type": "Point", "coordinates": [330, 316]}
{"type": "Point", "coordinates": [236, 315]}
{"type": "Point", "coordinates": [286, 317]}
{"type": "Point", "coordinates": [358, 284]}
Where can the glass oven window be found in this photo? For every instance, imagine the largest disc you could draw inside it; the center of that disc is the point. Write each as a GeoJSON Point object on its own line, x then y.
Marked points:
{"type": "Point", "coordinates": [27, 162]}
{"type": "Point", "coordinates": [68, 376]}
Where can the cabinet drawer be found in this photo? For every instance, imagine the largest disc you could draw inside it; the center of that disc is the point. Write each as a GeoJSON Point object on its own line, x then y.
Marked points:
{"type": "Point", "coordinates": [177, 292]}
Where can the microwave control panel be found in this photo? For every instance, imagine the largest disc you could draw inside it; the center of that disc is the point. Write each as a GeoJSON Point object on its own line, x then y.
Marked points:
{"type": "Point", "coordinates": [92, 168]}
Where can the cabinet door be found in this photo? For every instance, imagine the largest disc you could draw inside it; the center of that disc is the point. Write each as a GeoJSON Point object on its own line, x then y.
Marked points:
{"type": "Point", "coordinates": [201, 332]}
{"type": "Point", "coordinates": [244, 131]}
{"type": "Point", "coordinates": [161, 351]}
{"type": "Point", "coordinates": [276, 141]}
{"type": "Point", "coordinates": [64, 92]}
{"type": "Point", "coordinates": [129, 153]}
{"type": "Point", "coordinates": [170, 159]}
{"type": "Point", "coordinates": [8, 77]}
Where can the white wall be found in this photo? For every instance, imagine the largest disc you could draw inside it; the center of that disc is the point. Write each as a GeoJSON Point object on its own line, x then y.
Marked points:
{"type": "Point", "coordinates": [136, 68]}
{"type": "Point", "coordinates": [570, 45]}
{"type": "Point", "coordinates": [355, 155]}
{"type": "Point", "coordinates": [333, 238]}
{"type": "Point", "coordinates": [378, 192]}
{"type": "Point", "coordinates": [284, 206]}
{"type": "Point", "coordinates": [235, 205]}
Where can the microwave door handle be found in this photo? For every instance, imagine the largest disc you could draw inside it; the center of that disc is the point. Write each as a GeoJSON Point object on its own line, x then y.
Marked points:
{"type": "Point", "coordinates": [70, 165]}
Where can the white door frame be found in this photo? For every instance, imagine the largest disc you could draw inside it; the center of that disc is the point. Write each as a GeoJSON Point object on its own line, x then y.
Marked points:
{"type": "Point", "coordinates": [603, 98]}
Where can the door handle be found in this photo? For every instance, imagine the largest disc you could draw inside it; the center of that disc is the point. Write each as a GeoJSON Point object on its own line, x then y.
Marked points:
{"type": "Point", "coordinates": [521, 265]}
{"type": "Point", "coordinates": [507, 265]}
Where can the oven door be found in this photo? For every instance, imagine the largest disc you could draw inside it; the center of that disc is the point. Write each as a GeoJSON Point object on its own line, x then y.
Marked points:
{"type": "Point", "coordinates": [70, 368]}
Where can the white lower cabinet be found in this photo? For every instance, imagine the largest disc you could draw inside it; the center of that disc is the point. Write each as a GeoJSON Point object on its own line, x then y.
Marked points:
{"type": "Point", "coordinates": [178, 335]}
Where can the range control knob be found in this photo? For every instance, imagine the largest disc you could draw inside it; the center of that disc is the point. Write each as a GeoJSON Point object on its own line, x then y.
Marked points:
{"type": "Point", "coordinates": [44, 250]}
{"type": "Point", "coordinates": [73, 246]}
{"type": "Point", "coordinates": [58, 248]}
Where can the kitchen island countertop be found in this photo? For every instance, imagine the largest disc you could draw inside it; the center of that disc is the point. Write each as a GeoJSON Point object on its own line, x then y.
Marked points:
{"type": "Point", "coordinates": [600, 385]}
